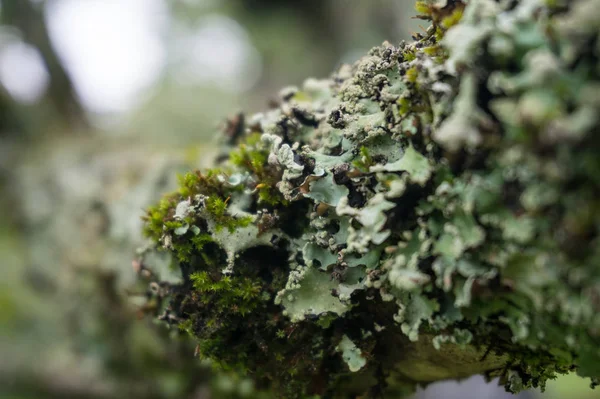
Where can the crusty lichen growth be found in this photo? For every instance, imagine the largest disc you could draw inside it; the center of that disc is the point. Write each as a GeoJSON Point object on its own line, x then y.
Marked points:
{"type": "Point", "coordinates": [431, 212]}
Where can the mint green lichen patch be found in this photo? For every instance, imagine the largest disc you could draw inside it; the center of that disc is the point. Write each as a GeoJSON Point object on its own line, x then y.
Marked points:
{"type": "Point", "coordinates": [327, 191]}
{"type": "Point", "coordinates": [309, 293]}
{"type": "Point", "coordinates": [351, 354]}
{"type": "Point", "coordinates": [324, 257]}
{"type": "Point", "coordinates": [414, 309]}
{"type": "Point", "coordinates": [416, 165]}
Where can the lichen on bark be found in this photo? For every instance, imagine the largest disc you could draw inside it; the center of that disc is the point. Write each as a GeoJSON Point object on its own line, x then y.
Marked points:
{"type": "Point", "coordinates": [429, 213]}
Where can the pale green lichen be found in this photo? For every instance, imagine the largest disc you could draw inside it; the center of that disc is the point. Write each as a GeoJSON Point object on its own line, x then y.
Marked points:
{"type": "Point", "coordinates": [412, 162]}
{"type": "Point", "coordinates": [308, 292]}
{"type": "Point", "coordinates": [351, 354]}
{"type": "Point", "coordinates": [438, 198]}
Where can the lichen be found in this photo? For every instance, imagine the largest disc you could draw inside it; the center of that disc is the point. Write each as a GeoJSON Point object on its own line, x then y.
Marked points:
{"type": "Point", "coordinates": [439, 198]}
{"type": "Point", "coordinates": [352, 355]}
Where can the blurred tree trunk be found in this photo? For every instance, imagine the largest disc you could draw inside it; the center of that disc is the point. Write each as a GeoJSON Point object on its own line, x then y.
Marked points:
{"type": "Point", "coordinates": [29, 19]}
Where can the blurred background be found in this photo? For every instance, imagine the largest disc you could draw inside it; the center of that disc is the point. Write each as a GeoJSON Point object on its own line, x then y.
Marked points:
{"type": "Point", "coordinates": [102, 102]}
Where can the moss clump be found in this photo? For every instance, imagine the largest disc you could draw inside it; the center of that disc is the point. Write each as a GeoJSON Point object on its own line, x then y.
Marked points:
{"type": "Point", "coordinates": [252, 156]}
{"type": "Point", "coordinates": [217, 209]}
{"type": "Point", "coordinates": [428, 213]}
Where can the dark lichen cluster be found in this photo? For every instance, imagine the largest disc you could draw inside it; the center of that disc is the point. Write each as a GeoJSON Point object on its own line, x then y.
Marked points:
{"type": "Point", "coordinates": [430, 212]}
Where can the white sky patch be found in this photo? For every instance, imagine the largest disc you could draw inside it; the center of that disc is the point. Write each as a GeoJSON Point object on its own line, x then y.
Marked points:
{"type": "Point", "coordinates": [217, 51]}
{"type": "Point", "coordinates": [22, 72]}
{"type": "Point", "coordinates": [200, 3]}
{"type": "Point", "coordinates": [113, 49]}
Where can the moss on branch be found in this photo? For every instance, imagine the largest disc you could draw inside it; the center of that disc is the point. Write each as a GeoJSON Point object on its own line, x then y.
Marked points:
{"type": "Point", "coordinates": [430, 212]}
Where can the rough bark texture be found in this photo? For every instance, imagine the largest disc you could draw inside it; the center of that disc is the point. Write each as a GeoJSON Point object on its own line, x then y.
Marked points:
{"type": "Point", "coordinates": [430, 212]}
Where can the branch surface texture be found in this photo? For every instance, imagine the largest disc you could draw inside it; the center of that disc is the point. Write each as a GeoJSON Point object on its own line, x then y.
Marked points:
{"type": "Point", "coordinates": [431, 212]}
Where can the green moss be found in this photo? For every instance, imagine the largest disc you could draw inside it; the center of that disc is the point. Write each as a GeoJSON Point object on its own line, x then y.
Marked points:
{"type": "Point", "coordinates": [206, 183]}
{"type": "Point", "coordinates": [269, 195]}
{"type": "Point", "coordinates": [423, 7]}
{"type": "Point", "coordinates": [452, 19]}
{"type": "Point", "coordinates": [439, 34]}
{"type": "Point", "coordinates": [364, 161]}
{"type": "Point", "coordinates": [229, 294]}
{"type": "Point", "coordinates": [200, 240]}
{"type": "Point", "coordinates": [251, 155]}
{"type": "Point", "coordinates": [409, 55]}
{"type": "Point", "coordinates": [157, 215]}
{"type": "Point", "coordinates": [412, 74]}
{"type": "Point", "coordinates": [216, 207]}
{"type": "Point", "coordinates": [404, 106]}
{"type": "Point", "coordinates": [431, 50]}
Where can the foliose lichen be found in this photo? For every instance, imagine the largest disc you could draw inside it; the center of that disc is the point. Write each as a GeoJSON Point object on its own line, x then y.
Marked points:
{"type": "Point", "coordinates": [430, 212]}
